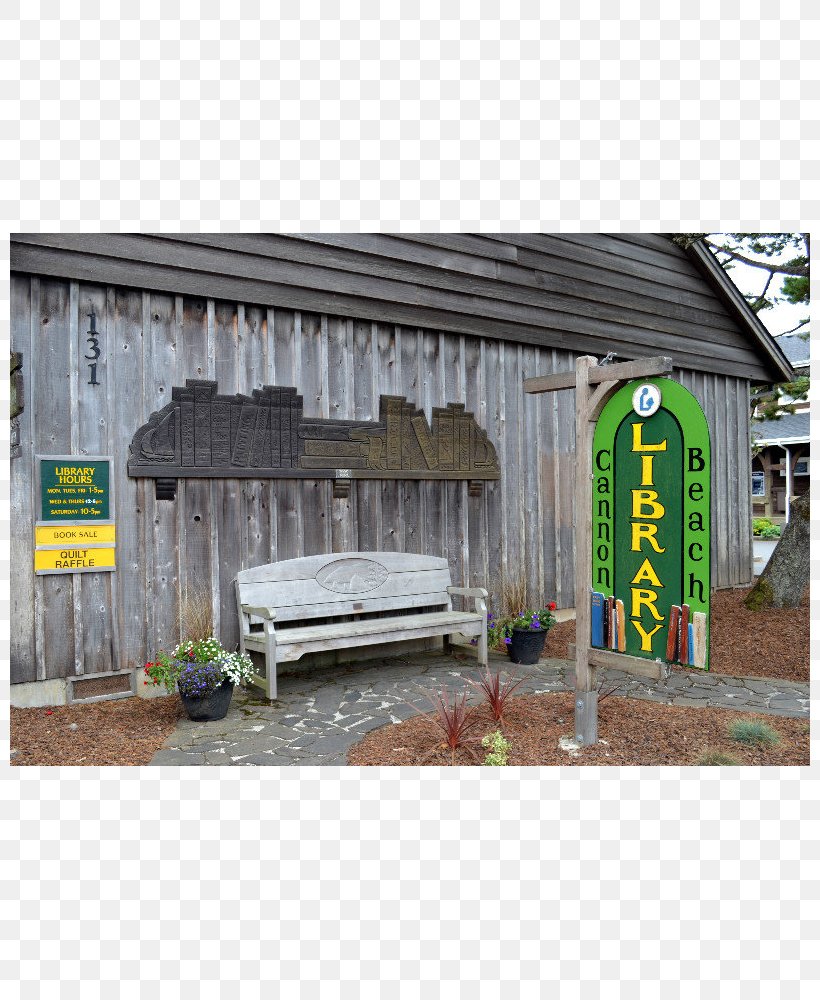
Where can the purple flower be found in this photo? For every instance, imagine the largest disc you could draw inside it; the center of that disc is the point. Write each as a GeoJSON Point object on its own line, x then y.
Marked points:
{"type": "Point", "coordinates": [508, 641]}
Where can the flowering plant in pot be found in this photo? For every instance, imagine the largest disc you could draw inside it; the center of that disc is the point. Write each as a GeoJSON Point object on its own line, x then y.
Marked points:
{"type": "Point", "coordinates": [525, 634]}
{"type": "Point", "coordinates": [204, 673]}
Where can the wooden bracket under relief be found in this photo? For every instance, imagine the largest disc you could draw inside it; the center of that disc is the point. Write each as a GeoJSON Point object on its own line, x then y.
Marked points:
{"type": "Point", "coordinates": [165, 489]}
{"type": "Point", "coordinates": [341, 489]}
{"type": "Point", "coordinates": [475, 487]}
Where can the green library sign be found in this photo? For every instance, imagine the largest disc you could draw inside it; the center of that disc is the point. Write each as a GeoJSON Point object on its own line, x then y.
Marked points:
{"type": "Point", "coordinates": [651, 524]}
{"type": "Point", "coordinates": [74, 489]}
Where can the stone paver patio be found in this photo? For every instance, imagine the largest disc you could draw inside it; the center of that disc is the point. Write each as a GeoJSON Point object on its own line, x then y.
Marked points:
{"type": "Point", "coordinates": [321, 713]}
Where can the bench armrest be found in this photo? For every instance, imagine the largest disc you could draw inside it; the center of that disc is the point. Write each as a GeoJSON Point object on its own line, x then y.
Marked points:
{"type": "Point", "coordinates": [261, 612]}
{"type": "Point", "coordinates": [479, 594]}
{"type": "Point", "coordinates": [469, 592]}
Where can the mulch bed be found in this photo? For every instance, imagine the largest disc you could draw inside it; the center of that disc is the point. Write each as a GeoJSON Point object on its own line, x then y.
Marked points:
{"type": "Point", "coordinates": [631, 732]}
{"type": "Point", "coordinates": [127, 732]}
{"type": "Point", "coordinates": [772, 643]}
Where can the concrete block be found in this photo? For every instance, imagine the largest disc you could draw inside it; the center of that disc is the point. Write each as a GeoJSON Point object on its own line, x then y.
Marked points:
{"type": "Point", "coordinates": [145, 687]}
{"type": "Point", "coordinates": [39, 694]}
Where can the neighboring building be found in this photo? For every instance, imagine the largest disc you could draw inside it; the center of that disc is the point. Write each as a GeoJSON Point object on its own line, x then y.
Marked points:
{"type": "Point", "coordinates": [781, 448]}
{"type": "Point", "coordinates": [344, 318]}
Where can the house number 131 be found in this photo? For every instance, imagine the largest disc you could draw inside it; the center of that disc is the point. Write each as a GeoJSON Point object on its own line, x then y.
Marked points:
{"type": "Point", "coordinates": [94, 348]}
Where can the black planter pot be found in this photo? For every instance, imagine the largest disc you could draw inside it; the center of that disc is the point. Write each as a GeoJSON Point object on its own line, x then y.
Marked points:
{"type": "Point", "coordinates": [527, 645]}
{"type": "Point", "coordinates": [212, 706]}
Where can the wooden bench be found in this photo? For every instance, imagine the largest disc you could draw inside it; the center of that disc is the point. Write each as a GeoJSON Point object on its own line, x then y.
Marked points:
{"type": "Point", "coordinates": [319, 603]}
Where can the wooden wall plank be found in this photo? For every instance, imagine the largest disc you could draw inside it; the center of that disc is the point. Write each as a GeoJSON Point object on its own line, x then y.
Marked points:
{"type": "Point", "coordinates": [125, 365]}
{"type": "Point", "coordinates": [530, 466]}
{"type": "Point", "coordinates": [341, 406]}
{"type": "Point", "coordinates": [193, 495]}
{"type": "Point", "coordinates": [495, 490]}
{"type": "Point", "coordinates": [455, 493]}
{"type": "Point", "coordinates": [564, 417]}
{"type": "Point", "coordinates": [432, 394]}
{"type": "Point", "coordinates": [154, 641]}
{"type": "Point", "coordinates": [410, 491]}
{"type": "Point", "coordinates": [315, 492]}
{"type": "Point", "coordinates": [22, 499]}
{"type": "Point", "coordinates": [255, 367]}
{"type": "Point", "coordinates": [229, 319]}
{"type": "Point", "coordinates": [387, 356]}
{"type": "Point", "coordinates": [288, 372]}
{"type": "Point", "coordinates": [160, 373]}
{"type": "Point", "coordinates": [51, 382]}
{"type": "Point", "coordinates": [93, 422]}
{"type": "Point", "coordinates": [475, 508]}
{"type": "Point", "coordinates": [743, 450]}
{"type": "Point", "coordinates": [365, 494]}
{"type": "Point", "coordinates": [74, 428]}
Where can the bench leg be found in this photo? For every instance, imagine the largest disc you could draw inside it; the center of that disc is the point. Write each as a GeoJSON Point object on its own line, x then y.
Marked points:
{"type": "Point", "coordinates": [483, 649]}
{"type": "Point", "coordinates": [270, 663]}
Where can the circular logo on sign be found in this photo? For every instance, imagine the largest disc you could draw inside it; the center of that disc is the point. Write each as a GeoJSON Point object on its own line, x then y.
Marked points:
{"type": "Point", "coordinates": [646, 400]}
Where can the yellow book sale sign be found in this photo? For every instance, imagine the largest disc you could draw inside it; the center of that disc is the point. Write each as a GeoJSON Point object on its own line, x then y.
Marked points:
{"type": "Point", "coordinates": [74, 559]}
{"type": "Point", "coordinates": [74, 534]}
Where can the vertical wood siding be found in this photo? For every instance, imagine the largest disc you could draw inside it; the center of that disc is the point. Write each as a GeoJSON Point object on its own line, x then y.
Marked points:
{"type": "Point", "coordinates": [523, 524]}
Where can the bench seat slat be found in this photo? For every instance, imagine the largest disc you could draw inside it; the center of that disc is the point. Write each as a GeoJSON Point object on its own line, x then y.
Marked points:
{"type": "Point", "coordinates": [403, 623]}
{"type": "Point", "coordinates": [294, 643]}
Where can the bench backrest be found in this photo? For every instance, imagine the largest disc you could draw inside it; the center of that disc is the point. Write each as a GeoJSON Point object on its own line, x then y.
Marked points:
{"type": "Point", "coordinates": [346, 583]}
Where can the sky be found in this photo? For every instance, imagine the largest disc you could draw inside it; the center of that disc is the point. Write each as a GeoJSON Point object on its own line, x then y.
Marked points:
{"type": "Point", "coordinates": [751, 280]}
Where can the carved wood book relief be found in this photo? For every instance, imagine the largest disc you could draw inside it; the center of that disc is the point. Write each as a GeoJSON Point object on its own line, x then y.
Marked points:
{"type": "Point", "coordinates": [265, 436]}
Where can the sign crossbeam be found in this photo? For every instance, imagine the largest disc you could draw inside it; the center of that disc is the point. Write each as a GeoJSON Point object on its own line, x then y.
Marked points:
{"type": "Point", "coordinates": [593, 384]}
{"type": "Point", "coordinates": [623, 371]}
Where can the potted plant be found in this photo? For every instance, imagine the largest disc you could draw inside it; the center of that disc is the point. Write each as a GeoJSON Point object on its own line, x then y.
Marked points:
{"type": "Point", "coordinates": [205, 675]}
{"type": "Point", "coordinates": [525, 634]}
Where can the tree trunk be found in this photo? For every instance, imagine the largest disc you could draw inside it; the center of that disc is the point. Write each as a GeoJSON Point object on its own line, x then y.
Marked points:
{"type": "Point", "coordinates": [786, 575]}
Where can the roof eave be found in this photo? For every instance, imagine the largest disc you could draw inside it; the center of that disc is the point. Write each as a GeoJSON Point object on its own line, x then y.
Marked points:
{"type": "Point", "coordinates": [709, 266]}
{"type": "Point", "coordinates": [768, 442]}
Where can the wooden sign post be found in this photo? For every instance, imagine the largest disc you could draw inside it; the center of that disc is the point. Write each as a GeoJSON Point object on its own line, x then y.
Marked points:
{"type": "Point", "coordinates": [594, 384]}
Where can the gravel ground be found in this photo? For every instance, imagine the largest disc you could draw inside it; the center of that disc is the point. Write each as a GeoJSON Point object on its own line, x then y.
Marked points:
{"type": "Point", "coordinates": [126, 732]}
{"type": "Point", "coordinates": [744, 643]}
{"type": "Point", "coordinates": [632, 732]}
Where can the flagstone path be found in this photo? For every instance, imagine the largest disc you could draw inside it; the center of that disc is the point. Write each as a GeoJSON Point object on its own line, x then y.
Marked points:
{"type": "Point", "coordinates": [321, 713]}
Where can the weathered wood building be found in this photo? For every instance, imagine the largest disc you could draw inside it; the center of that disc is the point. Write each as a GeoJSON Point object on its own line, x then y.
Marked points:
{"type": "Point", "coordinates": [345, 318]}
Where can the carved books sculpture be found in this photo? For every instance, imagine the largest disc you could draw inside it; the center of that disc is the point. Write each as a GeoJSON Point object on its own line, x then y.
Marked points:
{"type": "Point", "coordinates": [266, 436]}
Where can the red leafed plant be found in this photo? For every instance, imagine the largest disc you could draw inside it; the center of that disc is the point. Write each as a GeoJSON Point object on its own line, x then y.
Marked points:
{"type": "Point", "coordinates": [495, 691]}
{"type": "Point", "coordinates": [455, 719]}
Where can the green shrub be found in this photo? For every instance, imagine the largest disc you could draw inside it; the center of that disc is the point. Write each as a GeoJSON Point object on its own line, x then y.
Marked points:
{"type": "Point", "coordinates": [762, 527]}
{"type": "Point", "coordinates": [753, 732]}
{"type": "Point", "coordinates": [713, 758]}
{"type": "Point", "coordinates": [498, 747]}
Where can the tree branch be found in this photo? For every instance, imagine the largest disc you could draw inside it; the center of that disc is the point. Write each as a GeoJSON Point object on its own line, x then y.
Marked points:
{"type": "Point", "coordinates": [798, 271]}
{"type": "Point", "coordinates": [800, 325]}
